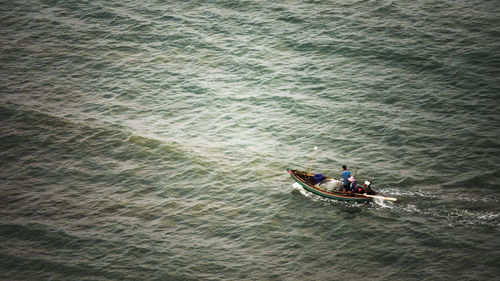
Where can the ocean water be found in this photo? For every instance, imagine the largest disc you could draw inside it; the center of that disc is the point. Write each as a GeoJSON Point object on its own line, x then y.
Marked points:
{"type": "Point", "coordinates": [148, 140]}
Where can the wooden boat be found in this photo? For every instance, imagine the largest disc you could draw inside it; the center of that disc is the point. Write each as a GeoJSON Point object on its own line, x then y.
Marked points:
{"type": "Point", "coordinates": [307, 181]}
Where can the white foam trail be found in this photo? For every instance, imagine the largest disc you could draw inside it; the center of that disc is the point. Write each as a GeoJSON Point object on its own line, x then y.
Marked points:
{"type": "Point", "coordinates": [383, 203]}
{"type": "Point", "coordinates": [452, 217]}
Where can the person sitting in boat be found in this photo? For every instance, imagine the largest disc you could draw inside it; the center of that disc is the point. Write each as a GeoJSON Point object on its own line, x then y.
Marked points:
{"type": "Point", "coordinates": [367, 185]}
{"type": "Point", "coordinates": [345, 179]}
{"type": "Point", "coordinates": [354, 185]}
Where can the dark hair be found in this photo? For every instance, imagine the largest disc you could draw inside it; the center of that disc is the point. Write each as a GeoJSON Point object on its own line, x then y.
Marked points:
{"type": "Point", "coordinates": [344, 167]}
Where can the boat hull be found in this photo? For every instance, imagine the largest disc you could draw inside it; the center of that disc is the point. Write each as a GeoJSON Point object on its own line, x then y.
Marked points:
{"type": "Point", "coordinates": [302, 178]}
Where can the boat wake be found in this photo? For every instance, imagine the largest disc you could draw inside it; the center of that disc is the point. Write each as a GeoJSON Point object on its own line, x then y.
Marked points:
{"type": "Point", "coordinates": [430, 204]}
{"type": "Point", "coordinates": [450, 208]}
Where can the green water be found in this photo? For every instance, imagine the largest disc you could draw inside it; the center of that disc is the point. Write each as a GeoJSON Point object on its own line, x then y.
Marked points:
{"type": "Point", "coordinates": [149, 141]}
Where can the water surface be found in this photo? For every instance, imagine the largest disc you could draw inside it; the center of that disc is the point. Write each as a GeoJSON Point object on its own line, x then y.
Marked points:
{"type": "Point", "coordinates": [149, 141]}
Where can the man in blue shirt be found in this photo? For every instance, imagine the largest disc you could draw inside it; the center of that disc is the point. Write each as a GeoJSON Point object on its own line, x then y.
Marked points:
{"type": "Point", "coordinates": [345, 177]}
